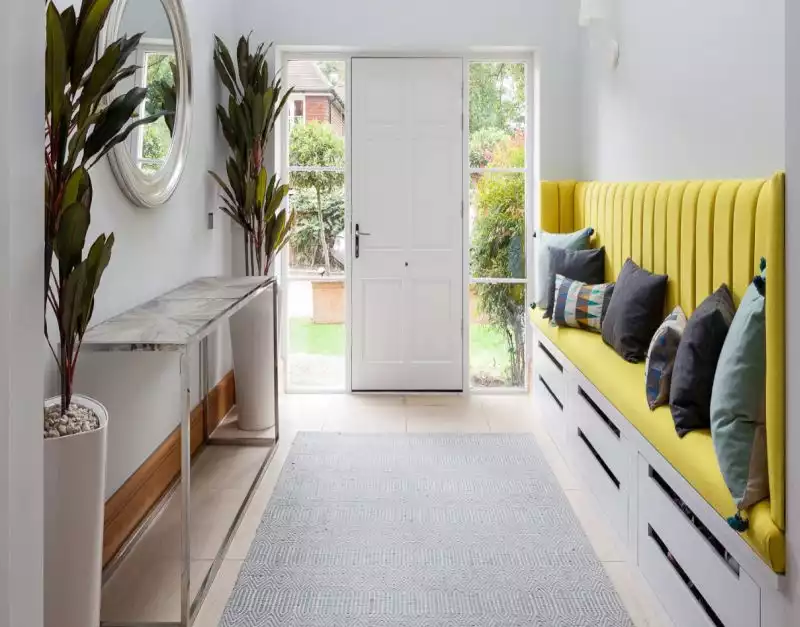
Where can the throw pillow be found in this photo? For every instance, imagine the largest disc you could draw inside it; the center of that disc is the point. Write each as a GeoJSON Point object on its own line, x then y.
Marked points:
{"type": "Point", "coordinates": [738, 401]}
{"type": "Point", "coordinates": [696, 362]}
{"type": "Point", "coordinates": [579, 305]}
{"type": "Point", "coordinates": [661, 358]}
{"type": "Point", "coordinates": [587, 266]}
{"type": "Point", "coordinates": [579, 240]}
{"type": "Point", "coordinates": [635, 311]}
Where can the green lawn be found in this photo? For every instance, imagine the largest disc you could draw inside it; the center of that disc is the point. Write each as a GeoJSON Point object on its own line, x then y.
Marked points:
{"type": "Point", "coordinates": [487, 344]}
{"type": "Point", "coordinates": [316, 339]}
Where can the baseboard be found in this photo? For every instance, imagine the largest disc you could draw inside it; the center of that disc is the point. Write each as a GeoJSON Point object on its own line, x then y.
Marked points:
{"type": "Point", "coordinates": [129, 505]}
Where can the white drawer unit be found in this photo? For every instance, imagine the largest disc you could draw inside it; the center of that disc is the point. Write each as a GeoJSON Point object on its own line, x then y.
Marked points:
{"type": "Point", "coordinates": [698, 581]}
{"type": "Point", "coordinates": [600, 453]}
{"type": "Point", "coordinates": [703, 572]}
{"type": "Point", "coordinates": [550, 383]}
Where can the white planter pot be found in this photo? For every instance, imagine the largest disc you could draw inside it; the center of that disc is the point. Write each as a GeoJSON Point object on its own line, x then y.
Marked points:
{"type": "Point", "coordinates": [74, 498]}
{"type": "Point", "coordinates": [253, 364]}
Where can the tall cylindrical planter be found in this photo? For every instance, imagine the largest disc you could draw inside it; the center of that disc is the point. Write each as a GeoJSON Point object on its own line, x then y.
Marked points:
{"type": "Point", "coordinates": [254, 363]}
{"type": "Point", "coordinates": [74, 498]}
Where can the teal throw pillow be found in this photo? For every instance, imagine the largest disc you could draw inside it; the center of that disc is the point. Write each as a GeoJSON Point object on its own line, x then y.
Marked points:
{"type": "Point", "coordinates": [579, 240]}
{"type": "Point", "coordinates": [738, 403]}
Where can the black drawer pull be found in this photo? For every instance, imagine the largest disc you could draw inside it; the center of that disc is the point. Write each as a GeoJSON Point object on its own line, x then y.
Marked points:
{"type": "Point", "coordinates": [543, 348]}
{"type": "Point", "coordinates": [704, 605]}
{"type": "Point", "coordinates": [600, 414]}
{"type": "Point", "coordinates": [693, 519]}
{"type": "Point", "coordinates": [555, 398]}
{"type": "Point", "coordinates": [599, 459]}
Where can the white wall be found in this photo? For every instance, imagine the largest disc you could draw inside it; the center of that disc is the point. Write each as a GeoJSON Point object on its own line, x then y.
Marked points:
{"type": "Point", "coordinates": [21, 312]}
{"type": "Point", "coordinates": [157, 250]}
{"type": "Point", "coordinates": [699, 92]}
{"type": "Point", "coordinates": [441, 25]}
{"type": "Point", "coordinates": [793, 300]}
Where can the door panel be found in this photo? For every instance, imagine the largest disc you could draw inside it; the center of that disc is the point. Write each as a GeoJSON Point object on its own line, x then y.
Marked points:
{"type": "Point", "coordinates": [407, 192]}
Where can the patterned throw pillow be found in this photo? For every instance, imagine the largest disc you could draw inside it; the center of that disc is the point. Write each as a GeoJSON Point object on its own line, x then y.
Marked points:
{"type": "Point", "coordinates": [661, 358]}
{"type": "Point", "coordinates": [580, 305]}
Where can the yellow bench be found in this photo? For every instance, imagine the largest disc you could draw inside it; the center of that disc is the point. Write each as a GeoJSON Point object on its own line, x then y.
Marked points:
{"type": "Point", "coordinates": [701, 234]}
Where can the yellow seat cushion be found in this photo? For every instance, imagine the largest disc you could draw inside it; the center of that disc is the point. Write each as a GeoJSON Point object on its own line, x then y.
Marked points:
{"type": "Point", "coordinates": [693, 456]}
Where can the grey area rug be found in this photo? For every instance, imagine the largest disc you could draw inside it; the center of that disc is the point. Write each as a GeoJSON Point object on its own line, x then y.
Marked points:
{"type": "Point", "coordinates": [420, 531]}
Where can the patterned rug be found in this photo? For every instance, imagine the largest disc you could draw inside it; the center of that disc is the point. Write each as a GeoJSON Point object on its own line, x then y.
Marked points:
{"type": "Point", "coordinates": [420, 531]}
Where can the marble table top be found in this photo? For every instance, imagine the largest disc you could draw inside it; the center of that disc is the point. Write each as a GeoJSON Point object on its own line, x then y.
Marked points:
{"type": "Point", "coordinates": [177, 318]}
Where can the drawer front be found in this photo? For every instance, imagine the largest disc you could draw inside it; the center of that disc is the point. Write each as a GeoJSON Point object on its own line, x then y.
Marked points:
{"type": "Point", "coordinates": [704, 581]}
{"type": "Point", "coordinates": [547, 366]}
{"type": "Point", "coordinates": [608, 487]}
{"type": "Point", "coordinates": [549, 411]}
{"type": "Point", "coordinates": [603, 433]}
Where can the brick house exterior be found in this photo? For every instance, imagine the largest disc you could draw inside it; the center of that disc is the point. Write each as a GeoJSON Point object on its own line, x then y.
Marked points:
{"type": "Point", "coordinates": [314, 98]}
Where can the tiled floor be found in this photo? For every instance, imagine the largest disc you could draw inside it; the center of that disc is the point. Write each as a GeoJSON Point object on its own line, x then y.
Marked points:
{"type": "Point", "coordinates": [227, 470]}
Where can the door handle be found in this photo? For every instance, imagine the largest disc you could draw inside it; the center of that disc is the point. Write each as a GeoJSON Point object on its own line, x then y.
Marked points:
{"type": "Point", "coordinates": [359, 233]}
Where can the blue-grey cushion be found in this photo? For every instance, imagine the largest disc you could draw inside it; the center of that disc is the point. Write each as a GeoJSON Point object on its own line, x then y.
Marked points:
{"type": "Point", "coordinates": [579, 240]}
{"type": "Point", "coordinates": [737, 401]}
{"type": "Point", "coordinates": [661, 358]}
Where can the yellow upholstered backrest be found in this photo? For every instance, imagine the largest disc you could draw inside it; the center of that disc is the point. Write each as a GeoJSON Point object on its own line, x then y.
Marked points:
{"type": "Point", "coordinates": [701, 234]}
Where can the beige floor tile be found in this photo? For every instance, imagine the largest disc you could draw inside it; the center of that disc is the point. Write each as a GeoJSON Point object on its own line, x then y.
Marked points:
{"type": "Point", "coordinates": [211, 612]}
{"type": "Point", "coordinates": [636, 594]}
{"type": "Point", "coordinates": [602, 537]}
{"type": "Point", "coordinates": [438, 400]}
{"type": "Point", "coordinates": [511, 423]}
{"type": "Point", "coordinates": [387, 420]}
{"type": "Point", "coordinates": [427, 419]}
{"type": "Point", "coordinates": [147, 590]}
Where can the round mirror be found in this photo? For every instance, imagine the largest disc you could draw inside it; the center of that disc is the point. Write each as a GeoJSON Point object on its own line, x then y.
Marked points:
{"type": "Point", "coordinates": [148, 165]}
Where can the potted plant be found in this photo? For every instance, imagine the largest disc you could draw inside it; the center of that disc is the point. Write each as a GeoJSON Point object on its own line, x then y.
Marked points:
{"type": "Point", "coordinates": [254, 201]}
{"type": "Point", "coordinates": [82, 124]}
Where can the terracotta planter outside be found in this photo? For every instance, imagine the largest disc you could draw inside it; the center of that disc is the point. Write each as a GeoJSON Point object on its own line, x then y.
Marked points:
{"type": "Point", "coordinates": [328, 302]}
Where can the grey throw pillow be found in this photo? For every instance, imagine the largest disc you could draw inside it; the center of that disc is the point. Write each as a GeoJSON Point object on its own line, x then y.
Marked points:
{"type": "Point", "coordinates": [696, 362]}
{"type": "Point", "coordinates": [586, 266]}
{"type": "Point", "coordinates": [635, 312]}
{"type": "Point", "coordinates": [579, 240]}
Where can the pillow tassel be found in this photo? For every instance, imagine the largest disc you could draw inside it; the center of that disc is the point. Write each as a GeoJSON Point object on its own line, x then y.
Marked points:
{"type": "Point", "coordinates": [739, 523]}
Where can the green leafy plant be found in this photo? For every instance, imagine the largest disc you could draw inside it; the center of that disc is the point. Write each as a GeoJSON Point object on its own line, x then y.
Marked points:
{"type": "Point", "coordinates": [315, 144]}
{"type": "Point", "coordinates": [252, 198]}
{"type": "Point", "coordinates": [83, 122]}
{"type": "Point", "coordinates": [498, 251]}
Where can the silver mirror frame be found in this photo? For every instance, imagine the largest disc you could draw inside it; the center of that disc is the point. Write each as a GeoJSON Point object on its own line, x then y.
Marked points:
{"type": "Point", "coordinates": [152, 191]}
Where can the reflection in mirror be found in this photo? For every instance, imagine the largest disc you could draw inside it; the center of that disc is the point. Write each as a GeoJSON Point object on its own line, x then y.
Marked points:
{"type": "Point", "coordinates": [149, 145]}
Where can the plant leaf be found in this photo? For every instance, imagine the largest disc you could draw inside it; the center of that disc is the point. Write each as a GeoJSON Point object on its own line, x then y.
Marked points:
{"type": "Point", "coordinates": [55, 64]}
{"type": "Point", "coordinates": [112, 120]}
{"type": "Point", "coordinates": [122, 136]}
{"type": "Point", "coordinates": [71, 236]}
{"type": "Point", "coordinates": [90, 22]}
{"type": "Point", "coordinates": [224, 64]}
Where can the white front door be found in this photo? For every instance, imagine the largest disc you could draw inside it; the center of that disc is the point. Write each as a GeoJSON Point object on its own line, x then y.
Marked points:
{"type": "Point", "coordinates": [407, 205]}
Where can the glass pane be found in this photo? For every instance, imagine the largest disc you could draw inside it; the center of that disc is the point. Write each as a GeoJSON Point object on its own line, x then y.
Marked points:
{"type": "Point", "coordinates": [316, 112]}
{"type": "Point", "coordinates": [497, 226]}
{"type": "Point", "coordinates": [497, 108]}
{"type": "Point", "coordinates": [317, 246]}
{"type": "Point", "coordinates": [316, 335]}
{"type": "Point", "coordinates": [497, 336]}
{"type": "Point", "coordinates": [155, 139]}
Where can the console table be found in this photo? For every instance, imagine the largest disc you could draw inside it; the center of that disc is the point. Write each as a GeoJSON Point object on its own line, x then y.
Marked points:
{"type": "Point", "coordinates": [178, 321]}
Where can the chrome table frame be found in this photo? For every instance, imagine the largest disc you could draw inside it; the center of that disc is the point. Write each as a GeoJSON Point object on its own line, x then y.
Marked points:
{"type": "Point", "coordinates": [189, 608]}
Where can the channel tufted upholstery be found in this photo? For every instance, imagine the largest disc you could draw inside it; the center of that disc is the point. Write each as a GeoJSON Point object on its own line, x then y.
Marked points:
{"type": "Point", "coordinates": [701, 234]}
